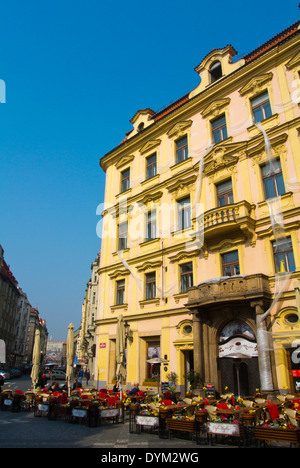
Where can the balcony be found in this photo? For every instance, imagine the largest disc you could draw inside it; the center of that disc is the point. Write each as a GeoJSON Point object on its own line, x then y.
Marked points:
{"type": "Point", "coordinates": [228, 219]}
{"type": "Point", "coordinates": [228, 289]}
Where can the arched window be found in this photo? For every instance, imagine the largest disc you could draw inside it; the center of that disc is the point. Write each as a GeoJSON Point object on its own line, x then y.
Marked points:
{"type": "Point", "coordinates": [236, 328]}
{"type": "Point", "coordinates": [215, 71]}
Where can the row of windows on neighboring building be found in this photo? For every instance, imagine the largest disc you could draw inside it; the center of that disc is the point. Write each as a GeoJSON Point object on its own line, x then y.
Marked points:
{"type": "Point", "coordinates": [261, 110]}
{"type": "Point", "coordinates": [273, 184]}
{"type": "Point", "coordinates": [283, 260]}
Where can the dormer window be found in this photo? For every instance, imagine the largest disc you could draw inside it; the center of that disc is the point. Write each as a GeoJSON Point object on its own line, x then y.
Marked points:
{"type": "Point", "coordinates": [141, 127]}
{"type": "Point", "coordinates": [215, 71]}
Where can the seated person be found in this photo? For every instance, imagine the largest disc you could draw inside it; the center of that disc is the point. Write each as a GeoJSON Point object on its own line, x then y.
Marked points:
{"type": "Point", "coordinates": [135, 389]}
{"type": "Point", "coordinates": [116, 388]}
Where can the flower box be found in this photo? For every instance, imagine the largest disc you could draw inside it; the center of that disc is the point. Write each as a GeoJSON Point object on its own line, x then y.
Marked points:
{"type": "Point", "coordinates": [181, 425]}
{"type": "Point", "coordinates": [289, 435]}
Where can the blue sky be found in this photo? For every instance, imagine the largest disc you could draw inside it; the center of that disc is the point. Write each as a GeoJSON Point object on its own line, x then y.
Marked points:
{"type": "Point", "coordinates": [76, 72]}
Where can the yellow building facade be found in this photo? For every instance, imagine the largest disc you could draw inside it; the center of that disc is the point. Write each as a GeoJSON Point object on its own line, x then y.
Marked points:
{"type": "Point", "coordinates": [200, 238]}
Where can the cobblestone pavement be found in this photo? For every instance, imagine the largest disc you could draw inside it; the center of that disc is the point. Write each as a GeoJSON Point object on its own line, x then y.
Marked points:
{"type": "Point", "coordinates": [24, 430]}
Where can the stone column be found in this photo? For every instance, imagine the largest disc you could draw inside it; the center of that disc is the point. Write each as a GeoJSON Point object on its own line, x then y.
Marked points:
{"type": "Point", "coordinates": [264, 348]}
{"type": "Point", "coordinates": [198, 344]}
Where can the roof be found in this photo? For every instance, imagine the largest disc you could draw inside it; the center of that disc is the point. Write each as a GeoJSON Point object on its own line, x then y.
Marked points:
{"type": "Point", "coordinates": [280, 38]}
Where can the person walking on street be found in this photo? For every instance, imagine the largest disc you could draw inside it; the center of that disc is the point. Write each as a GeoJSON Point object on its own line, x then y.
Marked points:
{"type": "Point", "coordinates": [87, 376]}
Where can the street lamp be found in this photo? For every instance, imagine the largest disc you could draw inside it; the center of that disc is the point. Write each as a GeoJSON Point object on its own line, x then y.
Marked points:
{"type": "Point", "coordinates": [126, 327]}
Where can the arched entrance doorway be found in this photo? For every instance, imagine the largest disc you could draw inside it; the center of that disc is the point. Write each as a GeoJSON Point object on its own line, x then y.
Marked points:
{"type": "Point", "coordinates": [238, 358]}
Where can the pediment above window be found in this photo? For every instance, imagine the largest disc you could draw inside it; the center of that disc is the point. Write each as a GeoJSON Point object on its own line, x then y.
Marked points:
{"type": "Point", "coordinates": [123, 161]}
{"type": "Point", "coordinates": [120, 273]}
{"type": "Point", "coordinates": [149, 146]}
{"type": "Point", "coordinates": [182, 184]}
{"type": "Point", "coordinates": [294, 61]}
{"type": "Point", "coordinates": [215, 108]}
{"type": "Point", "coordinates": [179, 129]}
{"type": "Point", "coordinates": [222, 155]}
{"type": "Point", "coordinates": [149, 265]}
{"type": "Point", "coordinates": [256, 85]}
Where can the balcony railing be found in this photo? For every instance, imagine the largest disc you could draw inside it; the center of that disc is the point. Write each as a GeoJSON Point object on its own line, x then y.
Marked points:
{"type": "Point", "coordinates": [229, 217]}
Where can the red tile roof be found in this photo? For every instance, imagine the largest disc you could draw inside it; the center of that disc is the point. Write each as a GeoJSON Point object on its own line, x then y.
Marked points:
{"type": "Point", "coordinates": [281, 37]}
{"type": "Point", "coordinates": [276, 40]}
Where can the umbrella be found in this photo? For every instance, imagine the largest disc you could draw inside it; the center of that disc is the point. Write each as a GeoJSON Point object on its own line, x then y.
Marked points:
{"type": "Point", "coordinates": [36, 356]}
{"type": "Point", "coordinates": [120, 351]}
{"type": "Point", "coordinates": [70, 354]}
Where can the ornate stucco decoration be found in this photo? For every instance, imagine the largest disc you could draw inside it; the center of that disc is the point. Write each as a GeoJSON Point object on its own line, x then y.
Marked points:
{"type": "Point", "coordinates": [149, 265]}
{"type": "Point", "coordinates": [222, 156]}
{"type": "Point", "coordinates": [179, 129]}
{"type": "Point", "coordinates": [256, 85]}
{"type": "Point", "coordinates": [215, 108]}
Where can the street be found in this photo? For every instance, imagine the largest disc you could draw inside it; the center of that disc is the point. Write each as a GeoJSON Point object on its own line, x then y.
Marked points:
{"type": "Point", "coordinates": [24, 430]}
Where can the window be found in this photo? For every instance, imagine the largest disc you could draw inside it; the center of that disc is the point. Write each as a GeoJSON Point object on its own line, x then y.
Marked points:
{"type": "Point", "coordinates": [181, 149]}
{"type": "Point", "coordinates": [230, 263]}
{"type": "Point", "coordinates": [125, 180]}
{"type": "Point", "coordinates": [122, 236]}
{"type": "Point", "coordinates": [224, 193]}
{"type": "Point", "coordinates": [150, 285]}
{"type": "Point", "coordinates": [151, 225]}
{"type": "Point", "coordinates": [186, 276]}
{"type": "Point", "coordinates": [215, 71]}
{"type": "Point", "coordinates": [120, 292]}
{"type": "Point", "coordinates": [273, 179]}
{"type": "Point", "coordinates": [151, 166]}
{"type": "Point", "coordinates": [219, 129]}
{"type": "Point", "coordinates": [153, 351]}
{"type": "Point", "coordinates": [184, 213]}
{"type": "Point", "coordinates": [261, 108]}
{"type": "Point", "coordinates": [283, 255]}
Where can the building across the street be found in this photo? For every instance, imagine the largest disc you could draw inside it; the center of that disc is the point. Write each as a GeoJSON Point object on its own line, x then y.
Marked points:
{"type": "Point", "coordinates": [200, 242]}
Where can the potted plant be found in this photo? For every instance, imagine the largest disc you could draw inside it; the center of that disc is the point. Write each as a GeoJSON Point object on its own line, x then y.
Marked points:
{"type": "Point", "coordinates": [194, 378]}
